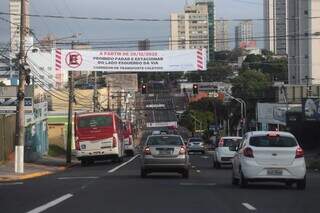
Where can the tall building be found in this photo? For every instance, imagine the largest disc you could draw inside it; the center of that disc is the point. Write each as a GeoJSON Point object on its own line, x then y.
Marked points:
{"type": "Point", "coordinates": [244, 33]}
{"type": "Point", "coordinates": [275, 26]}
{"type": "Point", "coordinates": [144, 44]}
{"type": "Point", "coordinates": [221, 35]}
{"type": "Point", "coordinates": [194, 28]}
{"type": "Point", "coordinates": [304, 42]}
{"type": "Point", "coordinates": [15, 11]}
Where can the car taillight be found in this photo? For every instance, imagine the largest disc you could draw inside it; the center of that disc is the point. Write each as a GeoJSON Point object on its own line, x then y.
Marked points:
{"type": "Point", "coordinates": [147, 151]}
{"type": "Point", "coordinates": [114, 142]}
{"type": "Point", "coordinates": [247, 152]}
{"type": "Point", "coordinates": [299, 152]}
{"type": "Point", "coordinates": [182, 150]}
{"type": "Point", "coordinates": [221, 142]}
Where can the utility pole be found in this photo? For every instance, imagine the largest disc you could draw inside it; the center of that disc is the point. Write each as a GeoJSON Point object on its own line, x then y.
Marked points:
{"type": "Point", "coordinates": [20, 131]}
{"type": "Point", "coordinates": [70, 113]}
{"type": "Point", "coordinates": [95, 93]}
{"type": "Point", "coordinates": [108, 86]}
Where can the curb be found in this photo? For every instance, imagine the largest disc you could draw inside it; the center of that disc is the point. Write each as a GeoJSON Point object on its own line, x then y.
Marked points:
{"type": "Point", "coordinates": [34, 174]}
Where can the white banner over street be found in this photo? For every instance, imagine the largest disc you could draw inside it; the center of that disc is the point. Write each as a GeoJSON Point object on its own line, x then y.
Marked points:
{"type": "Point", "coordinates": [130, 61]}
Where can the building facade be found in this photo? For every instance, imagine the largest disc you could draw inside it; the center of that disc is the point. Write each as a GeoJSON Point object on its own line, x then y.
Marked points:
{"type": "Point", "coordinates": [304, 42]}
{"type": "Point", "coordinates": [243, 33]}
{"type": "Point", "coordinates": [222, 35]}
{"type": "Point", "coordinates": [194, 28]}
{"type": "Point", "coordinates": [275, 26]}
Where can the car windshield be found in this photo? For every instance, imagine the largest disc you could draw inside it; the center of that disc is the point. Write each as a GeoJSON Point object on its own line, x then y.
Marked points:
{"type": "Point", "coordinates": [227, 142]}
{"type": "Point", "coordinates": [272, 141]}
{"type": "Point", "coordinates": [97, 121]}
{"type": "Point", "coordinates": [165, 140]}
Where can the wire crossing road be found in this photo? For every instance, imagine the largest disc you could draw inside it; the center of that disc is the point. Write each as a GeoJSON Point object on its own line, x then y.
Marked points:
{"type": "Point", "coordinates": [95, 189]}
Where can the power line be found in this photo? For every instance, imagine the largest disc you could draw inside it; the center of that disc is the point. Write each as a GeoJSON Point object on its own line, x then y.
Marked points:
{"type": "Point", "coordinates": [135, 19]}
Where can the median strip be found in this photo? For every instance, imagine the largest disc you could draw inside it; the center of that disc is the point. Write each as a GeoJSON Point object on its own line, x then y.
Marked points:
{"type": "Point", "coordinates": [50, 204]}
{"type": "Point", "coordinates": [248, 206]}
{"type": "Point", "coordinates": [121, 165]}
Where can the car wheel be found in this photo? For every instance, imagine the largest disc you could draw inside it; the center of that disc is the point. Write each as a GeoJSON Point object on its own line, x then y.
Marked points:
{"type": "Point", "coordinates": [301, 184]}
{"type": "Point", "coordinates": [185, 174]}
{"type": "Point", "coordinates": [243, 181]}
{"type": "Point", "coordinates": [218, 165]}
{"type": "Point", "coordinates": [143, 173]}
{"type": "Point", "coordinates": [235, 181]}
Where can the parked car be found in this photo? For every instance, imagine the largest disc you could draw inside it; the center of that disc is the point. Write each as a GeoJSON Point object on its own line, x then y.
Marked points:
{"type": "Point", "coordinates": [269, 156]}
{"type": "Point", "coordinates": [224, 152]}
{"type": "Point", "coordinates": [164, 153]}
{"type": "Point", "coordinates": [196, 145]}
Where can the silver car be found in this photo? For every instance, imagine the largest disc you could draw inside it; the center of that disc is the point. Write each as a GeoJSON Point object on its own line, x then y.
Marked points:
{"type": "Point", "coordinates": [164, 153]}
{"type": "Point", "coordinates": [196, 145]}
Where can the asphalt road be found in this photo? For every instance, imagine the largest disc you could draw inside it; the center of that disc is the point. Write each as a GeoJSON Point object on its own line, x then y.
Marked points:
{"type": "Point", "coordinates": [106, 187]}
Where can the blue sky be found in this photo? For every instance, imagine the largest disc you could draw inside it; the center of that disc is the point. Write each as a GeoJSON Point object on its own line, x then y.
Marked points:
{"type": "Point", "coordinates": [90, 30]}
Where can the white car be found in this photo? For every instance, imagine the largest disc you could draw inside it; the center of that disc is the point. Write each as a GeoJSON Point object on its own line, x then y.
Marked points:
{"type": "Point", "coordinates": [224, 152]}
{"type": "Point", "coordinates": [270, 157]}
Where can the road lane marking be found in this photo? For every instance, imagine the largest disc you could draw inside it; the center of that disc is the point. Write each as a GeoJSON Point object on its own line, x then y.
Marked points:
{"type": "Point", "coordinates": [50, 204]}
{"type": "Point", "coordinates": [198, 171]}
{"type": "Point", "coordinates": [248, 206]}
{"type": "Point", "coordinates": [72, 178]}
{"type": "Point", "coordinates": [205, 157]}
{"type": "Point", "coordinates": [193, 167]}
{"type": "Point", "coordinates": [11, 184]}
{"type": "Point", "coordinates": [121, 165]}
{"type": "Point", "coordinates": [198, 184]}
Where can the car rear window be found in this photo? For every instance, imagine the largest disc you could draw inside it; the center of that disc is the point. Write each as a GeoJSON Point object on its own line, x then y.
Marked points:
{"type": "Point", "coordinates": [97, 121]}
{"type": "Point", "coordinates": [274, 141]}
{"type": "Point", "coordinates": [227, 142]}
{"type": "Point", "coordinates": [195, 140]}
{"type": "Point", "coordinates": [165, 140]}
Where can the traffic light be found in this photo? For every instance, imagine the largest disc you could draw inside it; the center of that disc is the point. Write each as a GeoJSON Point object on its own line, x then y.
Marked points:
{"type": "Point", "coordinates": [144, 89]}
{"type": "Point", "coordinates": [195, 89]}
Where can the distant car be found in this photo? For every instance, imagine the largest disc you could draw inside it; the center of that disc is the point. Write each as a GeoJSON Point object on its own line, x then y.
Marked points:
{"type": "Point", "coordinates": [164, 153]}
{"type": "Point", "coordinates": [196, 145]}
{"type": "Point", "coordinates": [269, 156]}
{"type": "Point", "coordinates": [224, 152]}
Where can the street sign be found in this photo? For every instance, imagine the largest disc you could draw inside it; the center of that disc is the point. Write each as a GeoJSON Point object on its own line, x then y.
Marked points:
{"type": "Point", "coordinates": [131, 61]}
{"type": "Point", "coordinates": [8, 105]}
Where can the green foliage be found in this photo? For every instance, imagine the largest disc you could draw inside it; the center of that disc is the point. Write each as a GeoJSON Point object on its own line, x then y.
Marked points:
{"type": "Point", "coordinates": [250, 84]}
{"type": "Point", "coordinates": [205, 117]}
{"type": "Point", "coordinates": [2, 84]}
{"type": "Point", "coordinates": [274, 68]}
{"type": "Point", "coordinates": [216, 72]}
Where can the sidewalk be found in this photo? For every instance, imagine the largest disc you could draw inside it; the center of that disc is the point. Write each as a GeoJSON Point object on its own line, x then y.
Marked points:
{"type": "Point", "coordinates": [45, 166]}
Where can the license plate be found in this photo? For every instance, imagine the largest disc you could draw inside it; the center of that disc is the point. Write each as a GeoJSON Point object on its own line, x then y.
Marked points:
{"type": "Point", "coordinates": [274, 172]}
{"type": "Point", "coordinates": [164, 152]}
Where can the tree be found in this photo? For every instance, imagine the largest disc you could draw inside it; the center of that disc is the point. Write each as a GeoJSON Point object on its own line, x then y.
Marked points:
{"type": "Point", "coordinates": [218, 71]}
{"type": "Point", "coordinates": [2, 84]}
{"type": "Point", "coordinates": [252, 86]}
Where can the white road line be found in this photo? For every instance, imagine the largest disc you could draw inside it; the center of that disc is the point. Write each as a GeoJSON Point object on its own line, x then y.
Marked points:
{"type": "Point", "coordinates": [248, 206]}
{"type": "Point", "coordinates": [121, 165]}
{"type": "Point", "coordinates": [198, 171]}
{"type": "Point", "coordinates": [11, 184]}
{"type": "Point", "coordinates": [198, 184]}
{"type": "Point", "coordinates": [50, 204]}
{"type": "Point", "coordinates": [72, 178]}
{"type": "Point", "coordinates": [205, 157]}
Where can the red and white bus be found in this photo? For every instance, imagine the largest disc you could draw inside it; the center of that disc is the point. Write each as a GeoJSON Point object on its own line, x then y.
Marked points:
{"type": "Point", "coordinates": [128, 138]}
{"type": "Point", "coordinates": [98, 136]}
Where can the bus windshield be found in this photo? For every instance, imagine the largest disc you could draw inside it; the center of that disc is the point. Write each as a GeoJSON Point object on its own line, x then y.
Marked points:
{"type": "Point", "coordinates": [95, 121]}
